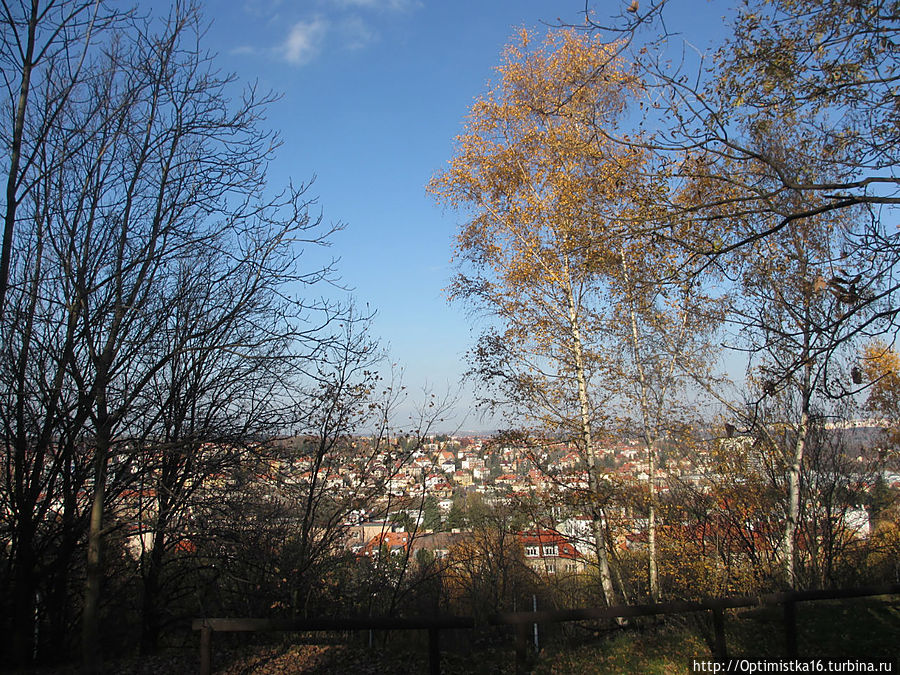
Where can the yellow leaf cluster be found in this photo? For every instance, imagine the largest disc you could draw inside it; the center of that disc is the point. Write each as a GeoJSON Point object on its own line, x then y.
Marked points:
{"type": "Point", "coordinates": [881, 368]}
{"type": "Point", "coordinates": [546, 189]}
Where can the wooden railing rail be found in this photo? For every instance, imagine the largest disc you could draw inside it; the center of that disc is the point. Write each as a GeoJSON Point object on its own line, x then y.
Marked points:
{"type": "Point", "coordinates": [522, 620]}
{"type": "Point", "coordinates": [433, 625]}
{"type": "Point", "coordinates": [788, 599]}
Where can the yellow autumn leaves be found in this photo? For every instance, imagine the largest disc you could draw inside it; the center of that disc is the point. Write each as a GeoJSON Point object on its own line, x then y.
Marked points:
{"type": "Point", "coordinates": [541, 183]}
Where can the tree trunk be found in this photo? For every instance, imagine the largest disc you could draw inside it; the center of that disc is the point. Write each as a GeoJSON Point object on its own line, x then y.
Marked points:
{"type": "Point", "coordinates": [12, 180]}
{"type": "Point", "coordinates": [90, 619]}
{"type": "Point", "coordinates": [597, 512]}
{"type": "Point", "coordinates": [649, 439]}
{"type": "Point", "coordinates": [652, 561]}
{"type": "Point", "coordinates": [58, 606]}
{"type": "Point", "coordinates": [793, 510]}
{"type": "Point", "coordinates": [24, 592]}
{"type": "Point", "coordinates": [150, 607]}
{"type": "Point", "coordinates": [150, 619]}
{"type": "Point", "coordinates": [796, 460]}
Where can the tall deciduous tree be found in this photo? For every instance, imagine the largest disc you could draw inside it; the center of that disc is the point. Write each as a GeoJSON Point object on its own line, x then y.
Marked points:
{"type": "Point", "coordinates": [664, 321]}
{"type": "Point", "coordinates": [791, 118]}
{"type": "Point", "coordinates": [795, 312]}
{"type": "Point", "coordinates": [45, 49]}
{"type": "Point", "coordinates": [537, 250]}
{"type": "Point", "coordinates": [569, 252]}
{"type": "Point", "coordinates": [784, 144]}
{"type": "Point", "coordinates": [150, 265]}
{"type": "Point", "coordinates": [168, 169]}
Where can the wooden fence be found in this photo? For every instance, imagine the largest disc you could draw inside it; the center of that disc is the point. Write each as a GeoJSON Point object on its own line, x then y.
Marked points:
{"type": "Point", "coordinates": [432, 624]}
{"type": "Point", "coordinates": [524, 620]}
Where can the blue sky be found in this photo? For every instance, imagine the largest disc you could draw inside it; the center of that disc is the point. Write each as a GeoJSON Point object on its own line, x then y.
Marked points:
{"type": "Point", "coordinates": [373, 94]}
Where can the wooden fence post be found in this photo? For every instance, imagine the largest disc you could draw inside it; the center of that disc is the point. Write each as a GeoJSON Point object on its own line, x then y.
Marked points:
{"type": "Point", "coordinates": [205, 650]}
{"type": "Point", "coordinates": [719, 628]}
{"type": "Point", "coordinates": [434, 651]}
{"type": "Point", "coordinates": [790, 626]}
{"type": "Point", "coordinates": [521, 648]}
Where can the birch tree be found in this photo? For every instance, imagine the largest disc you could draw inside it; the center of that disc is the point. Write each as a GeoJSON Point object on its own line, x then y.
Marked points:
{"type": "Point", "coordinates": [782, 144]}
{"type": "Point", "coordinates": [534, 252]}
{"type": "Point", "coordinates": [800, 307]}
{"type": "Point", "coordinates": [792, 117]}
{"type": "Point", "coordinates": [665, 322]}
{"type": "Point", "coordinates": [595, 309]}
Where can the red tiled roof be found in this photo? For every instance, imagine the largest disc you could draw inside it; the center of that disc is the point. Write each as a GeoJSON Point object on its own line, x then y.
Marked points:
{"type": "Point", "coordinates": [390, 540]}
{"type": "Point", "coordinates": [547, 537]}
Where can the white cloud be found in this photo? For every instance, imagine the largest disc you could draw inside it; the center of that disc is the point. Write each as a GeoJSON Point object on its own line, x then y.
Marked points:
{"type": "Point", "coordinates": [356, 33]}
{"type": "Point", "coordinates": [304, 42]}
{"type": "Point", "coordinates": [341, 24]}
{"type": "Point", "coordinates": [393, 5]}
{"type": "Point", "coordinates": [244, 49]}
{"type": "Point", "coordinates": [262, 8]}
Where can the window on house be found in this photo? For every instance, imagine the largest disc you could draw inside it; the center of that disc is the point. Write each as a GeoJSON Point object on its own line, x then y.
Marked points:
{"type": "Point", "coordinates": [551, 550]}
{"type": "Point", "coordinates": [531, 551]}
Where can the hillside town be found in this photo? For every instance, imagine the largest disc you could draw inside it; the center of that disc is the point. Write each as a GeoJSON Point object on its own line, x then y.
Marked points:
{"type": "Point", "coordinates": [426, 489]}
{"type": "Point", "coordinates": [650, 251]}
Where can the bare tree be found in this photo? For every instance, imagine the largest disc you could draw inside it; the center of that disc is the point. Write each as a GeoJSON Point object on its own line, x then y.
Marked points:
{"type": "Point", "coordinates": [152, 268]}
{"type": "Point", "coordinates": [45, 51]}
{"type": "Point", "coordinates": [226, 381]}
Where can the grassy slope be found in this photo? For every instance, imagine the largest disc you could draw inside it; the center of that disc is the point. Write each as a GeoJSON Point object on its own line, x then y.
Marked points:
{"type": "Point", "coordinates": [866, 628]}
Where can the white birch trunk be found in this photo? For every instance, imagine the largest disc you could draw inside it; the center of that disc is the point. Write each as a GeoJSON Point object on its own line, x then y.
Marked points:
{"type": "Point", "coordinates": [597, 513]}
{"type": "Point", "coordinates": [649, 439]}
{"type": "Point", "coordinates": [793, 510]}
